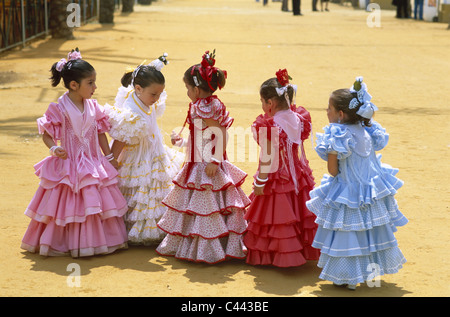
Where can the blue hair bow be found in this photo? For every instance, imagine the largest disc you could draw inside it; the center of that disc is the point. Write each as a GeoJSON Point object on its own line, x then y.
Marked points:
{"type": "Point", "coordinates": [362, 99]}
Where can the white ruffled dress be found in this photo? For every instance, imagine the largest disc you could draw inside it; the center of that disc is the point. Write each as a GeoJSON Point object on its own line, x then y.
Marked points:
{"type": "Point", "coordinates": [356, 210]}
{"type": "Point", "coordinates": [146, 165]}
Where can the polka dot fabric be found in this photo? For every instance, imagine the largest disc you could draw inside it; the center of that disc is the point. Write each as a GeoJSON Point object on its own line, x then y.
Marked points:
{"type": "Point", "coordinates": [356, 210]}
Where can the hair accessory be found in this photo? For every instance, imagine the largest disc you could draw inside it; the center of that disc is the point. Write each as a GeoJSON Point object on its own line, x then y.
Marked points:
{"type": "Point", "coordinates": [283, 78]}
{"type": "Point", "coordinates": [160, 62]}
{"type": "Point", "coordinates": [73, 55]}
{"type": "Point", "coordinates": [135, 72]}
{"type": "Point", "coordinates": [206, 69]}
{"type": "Point", "coordinates": [362, 99]}
{"type": "Point", "coordinates": [195, 81]}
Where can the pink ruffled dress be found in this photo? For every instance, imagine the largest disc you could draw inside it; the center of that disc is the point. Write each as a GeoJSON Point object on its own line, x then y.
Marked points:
{"type": "Point", "coordinates": [78, 207]}
{"type": "Point", "coordinates": [205, 220]}
{"type": "Point", "coordinates": [280, 228]}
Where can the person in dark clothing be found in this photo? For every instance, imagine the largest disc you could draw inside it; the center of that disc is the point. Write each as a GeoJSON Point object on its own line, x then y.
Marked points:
{"type": "Point", "coordinates": [296, 7]}
{"type": "Point", "coordinates": [314, 5]}
{"type": "Point", "coordinates": [402, 9]}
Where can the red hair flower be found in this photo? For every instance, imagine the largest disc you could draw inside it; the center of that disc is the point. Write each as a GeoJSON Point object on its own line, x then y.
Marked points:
{"type": "Point", "coordinates": [283, 77]}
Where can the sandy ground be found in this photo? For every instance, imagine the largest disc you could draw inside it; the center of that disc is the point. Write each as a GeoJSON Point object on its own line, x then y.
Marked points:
{"type": "Point", "coordinates": [404, 62]}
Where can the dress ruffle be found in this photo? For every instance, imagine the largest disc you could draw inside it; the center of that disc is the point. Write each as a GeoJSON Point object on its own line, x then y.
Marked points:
{"type": "Point", "coordinates": [337, 138]}
{"type": "Point", "coordinates": [91, 237]}
{"type": "Point", "coordinates": [356, 210]}
{"type": "Point", "coordinates": [335, 191]}
{"type": "Point", "coordinates": [211, 108]}
{"type": "Point", "coordinates": [54, 171]}
{"type": "Point", "coordinates": [85, 223]}
{"type": "Point", "coordinates": [227, 175]}
{"type": "Point", "coordinates": [144, 185]}
{"type": "Point", "coordinates": [51, 122]}
{"type": "Point", "coordinates": [126, 126]}
{"type": "Point", "coordinates": [280, 228]}
{"type": "Point", "coordinates": [359, 269]}
{"type": "Point", "coordinates": [146, 165]}
{"type": "Point", "coordinates": [205, 220]}
{"type": "Point", "coordinates": [78, 208]}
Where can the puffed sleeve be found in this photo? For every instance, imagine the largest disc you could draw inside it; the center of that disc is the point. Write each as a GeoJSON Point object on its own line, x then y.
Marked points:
{"type": "Point", "coordinates": [378, 134]}
{"type": "Point", "coordinates": [305, 118]}
{"type": "Point", "coordinates": [126, 126]}
{"type": "Point", "coordinates": [214, 109]}
{"type": "Point", "coordinates": [160, 106]}
{"type": "Point", "coordinates": [336, 139]}
{"type": "Point", "coordinates": [51, 122]}
{"type": "Point", "coordinates": [102, 119]}
{"type": "Point", "coordinates": [263, 128]}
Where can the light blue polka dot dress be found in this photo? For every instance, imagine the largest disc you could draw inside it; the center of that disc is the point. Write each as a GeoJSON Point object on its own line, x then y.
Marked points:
{"type": "Point", "coordinates": [356, 211]}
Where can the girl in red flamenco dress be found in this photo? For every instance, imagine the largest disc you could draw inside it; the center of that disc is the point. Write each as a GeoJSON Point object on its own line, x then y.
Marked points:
{"type": "Point", "coordinates": [280, 227]}
{"type": "Point", "coordinates": [205, 217]}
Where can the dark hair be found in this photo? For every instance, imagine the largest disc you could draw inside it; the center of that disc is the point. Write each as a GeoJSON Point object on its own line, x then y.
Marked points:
{"type": "Point", "coordinates": [76, 70]}
{"type": "Point", "coordinates": [145, 76]}
{"type": "Point", "coordinates": [340, 100]}
{"type": "Point", "coordinates": [268, 91]}
{"type": "Point", "coordinates": [218, 79]}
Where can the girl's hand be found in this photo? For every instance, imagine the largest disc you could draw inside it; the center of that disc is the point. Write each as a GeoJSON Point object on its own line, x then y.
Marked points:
{"type": "Point", "coordinates": [258, 191]}
{"type": "Point", "coordinates": [211, 169]}
{"type": "Point", "coordinates": [175, 138]}
{"type": "Point", "coordinates": [60, 152]}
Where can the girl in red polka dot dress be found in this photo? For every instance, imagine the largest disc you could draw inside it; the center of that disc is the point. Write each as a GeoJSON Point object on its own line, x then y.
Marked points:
{"type": "Point", "coordinates": [205, 220]}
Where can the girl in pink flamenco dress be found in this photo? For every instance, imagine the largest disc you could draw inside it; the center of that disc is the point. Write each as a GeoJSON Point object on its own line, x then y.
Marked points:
{"type": "Point", "coordinates": [280, 227]}
{"type": "Point", "coordinates": [78, 208]}
{"type": "Point", "coordinates": [205, 217]}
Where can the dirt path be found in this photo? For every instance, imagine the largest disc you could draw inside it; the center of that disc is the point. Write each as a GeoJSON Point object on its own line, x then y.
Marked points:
{"type": "Point", "coordinates": [404, 62]}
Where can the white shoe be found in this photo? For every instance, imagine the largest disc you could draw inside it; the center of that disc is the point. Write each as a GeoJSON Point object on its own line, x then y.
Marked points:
{"type": "Point", "coordinates": [351, 287]}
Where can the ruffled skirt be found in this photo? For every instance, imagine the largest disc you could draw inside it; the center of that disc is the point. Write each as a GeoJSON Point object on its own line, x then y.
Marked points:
{"type": "Point", "coordinates": [144, 183]}
{"type": "Point", "coordinates": [205, 221]}
{"type": "Point", "coordinates": [82, 222]}
{"type": "Point", "coordinates": [280, 228]}
{"type": "Point", "coordinates": [356, 228]}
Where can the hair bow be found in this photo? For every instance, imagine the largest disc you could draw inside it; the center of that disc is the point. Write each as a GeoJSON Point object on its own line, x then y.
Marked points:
{"type": "Point", "coordinates": [73, 55]}
{"type": "Point", "coordinates": [160, 62]}
{"type": "Point", "coordinates": [283, 78]}
{"type": "Point", "coordinates": [206, 69]}
{"type": "Point", "coordinates": [362, 99]}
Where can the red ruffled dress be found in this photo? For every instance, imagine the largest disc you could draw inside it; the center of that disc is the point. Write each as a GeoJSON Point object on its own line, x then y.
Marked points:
{"type": "Point", "coordinates": [205, 217]}
{"type": "Point", "coordinates": [280, 227]}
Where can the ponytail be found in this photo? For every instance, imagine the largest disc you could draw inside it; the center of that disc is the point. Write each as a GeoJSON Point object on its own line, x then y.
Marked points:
{"type": "Point", "coordinates": [56, 75]}
{"type": "Point", "coordinates": [126, 79]}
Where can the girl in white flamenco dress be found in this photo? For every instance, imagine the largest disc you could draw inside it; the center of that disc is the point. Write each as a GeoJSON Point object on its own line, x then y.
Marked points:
{"type": "Point", "coordinates": [146, 165]}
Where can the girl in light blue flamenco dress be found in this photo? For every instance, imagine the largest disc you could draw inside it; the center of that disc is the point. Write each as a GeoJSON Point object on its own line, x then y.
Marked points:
{"type": "Point", "coordinates": [356, 211]}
